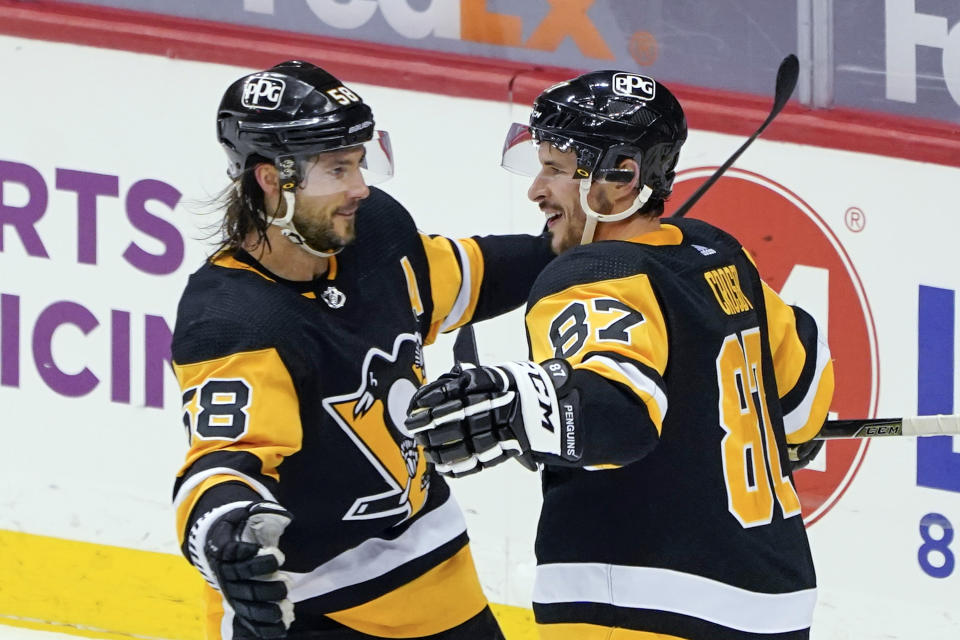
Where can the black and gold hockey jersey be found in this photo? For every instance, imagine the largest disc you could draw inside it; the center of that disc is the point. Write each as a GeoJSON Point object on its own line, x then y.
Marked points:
{"type": "Point", "coordinates": [296, 392]}
{"type": "Point", "coordinates": [680, 518]}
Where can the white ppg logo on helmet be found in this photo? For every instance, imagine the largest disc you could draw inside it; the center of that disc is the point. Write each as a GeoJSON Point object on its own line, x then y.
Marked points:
{"type": "Point", "coordinates": [629, 84]}
{"type": "Point", "coordinates": [260, 92]}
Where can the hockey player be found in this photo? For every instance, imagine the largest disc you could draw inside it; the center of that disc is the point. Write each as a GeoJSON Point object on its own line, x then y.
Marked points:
{"type": "Point", "coordinates": [666, 383]}
{"type": "Point", "coordinates": [303, 501]}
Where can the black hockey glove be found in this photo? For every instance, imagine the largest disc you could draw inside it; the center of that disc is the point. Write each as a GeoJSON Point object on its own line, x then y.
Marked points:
{"type": "Point", "coordinates": [477, 417]}
{"type": "Point", "coordinates": [802, 454]}
{"type": "Point", "coordinates": [235, 548]}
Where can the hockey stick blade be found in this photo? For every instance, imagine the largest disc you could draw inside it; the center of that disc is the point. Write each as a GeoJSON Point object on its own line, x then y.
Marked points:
{"type": "Point", "coordinates": [786, 82]}
{"type": "Point", "coordinates": [939, 425]}
{"type": "Point", "coordinates": [465, 346]}
{"type": "Point", "coordinates": [465, 352]}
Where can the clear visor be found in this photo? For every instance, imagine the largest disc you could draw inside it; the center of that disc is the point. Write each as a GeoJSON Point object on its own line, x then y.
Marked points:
{"type": "Point", "coordinates": [519, 154]}
{"type": "Point", "coordinates": [348, 168]}
{"type": "Point", "coordinates": [562, 159]}
{"type": "Point", "coordinates": [559, 160]}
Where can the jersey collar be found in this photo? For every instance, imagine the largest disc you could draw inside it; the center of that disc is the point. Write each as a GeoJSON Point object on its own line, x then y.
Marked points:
{"type": "Point", "coordinates": [241, 259]}
{"type": "Point", "coordinates": [667, 234]}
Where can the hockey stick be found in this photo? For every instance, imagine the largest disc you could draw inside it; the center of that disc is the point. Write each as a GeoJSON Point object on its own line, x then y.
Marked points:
{"type": "Point", "coordinates": [939, 425]}
{"type": "Point", "coordinates": [786, 83]}
{"type": "Point", "coordinates": [465, 350]}
{"type": "Point", "coordinates": [832, 429]}
{"type": "Point", "coordinates": [465, 346]}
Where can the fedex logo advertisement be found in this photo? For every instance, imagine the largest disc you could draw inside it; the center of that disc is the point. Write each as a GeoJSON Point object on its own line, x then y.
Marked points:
{"type": "Point", "coordinates": [467, 20]}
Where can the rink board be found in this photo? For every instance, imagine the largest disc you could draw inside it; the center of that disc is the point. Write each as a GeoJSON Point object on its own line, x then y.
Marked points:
{"type": "Point", "coordinates": [89, 285]}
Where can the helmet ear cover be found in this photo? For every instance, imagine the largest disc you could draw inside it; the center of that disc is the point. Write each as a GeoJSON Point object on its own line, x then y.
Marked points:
{"type": "Point", "coordinates": [288, 172]}
{"type": "Point", "coordinates": [608, 168]}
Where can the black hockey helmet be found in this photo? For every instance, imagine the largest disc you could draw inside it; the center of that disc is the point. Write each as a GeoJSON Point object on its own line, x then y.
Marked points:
{"type": "Point", "coordinates": [606, 116]}
{"type": "Point", "coordinates": [291, 112]}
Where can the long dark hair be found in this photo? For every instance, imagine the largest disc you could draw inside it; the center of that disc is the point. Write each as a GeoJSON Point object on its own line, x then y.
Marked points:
{"type": "Point", "coordinates": [243, 212]}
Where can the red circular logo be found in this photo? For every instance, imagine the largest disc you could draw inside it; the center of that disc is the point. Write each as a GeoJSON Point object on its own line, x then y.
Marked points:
{"type": "Point", "coordinates": [800, 257]}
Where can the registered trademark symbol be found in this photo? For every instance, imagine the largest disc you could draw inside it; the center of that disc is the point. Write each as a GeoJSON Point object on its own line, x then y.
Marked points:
{"type": "Point", "coordinates": [855, 219]}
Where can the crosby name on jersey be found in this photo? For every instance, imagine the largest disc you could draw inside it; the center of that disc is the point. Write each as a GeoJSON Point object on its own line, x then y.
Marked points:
{"type": "Point", "coordinates": [624, 538]}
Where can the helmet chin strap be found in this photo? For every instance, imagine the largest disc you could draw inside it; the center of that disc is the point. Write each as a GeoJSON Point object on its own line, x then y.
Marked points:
{"type": "Point", "coordinates": [289, 230]}
{"type": "Point", "coordinates": [593, 217]}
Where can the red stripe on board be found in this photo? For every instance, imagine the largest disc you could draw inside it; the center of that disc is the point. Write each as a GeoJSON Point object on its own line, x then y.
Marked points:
{"type": "Point", "coordinates": [460, 75]}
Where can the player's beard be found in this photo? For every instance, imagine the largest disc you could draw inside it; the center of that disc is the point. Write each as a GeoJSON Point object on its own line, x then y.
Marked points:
{"type": "Point", "coordinates": [574, 221]}
{"type": "Point", "coordinates": [571, 230]}
{"type": "Point", "coordinates": [325, 232]}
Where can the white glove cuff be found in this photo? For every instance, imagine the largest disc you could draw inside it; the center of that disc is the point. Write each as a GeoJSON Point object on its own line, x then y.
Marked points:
{"type": "Point", "coordinates": [197, 538]}
{"type": "Point", "coordinates": [538, 406]}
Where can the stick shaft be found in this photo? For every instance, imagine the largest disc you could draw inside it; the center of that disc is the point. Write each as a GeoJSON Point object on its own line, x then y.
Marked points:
{"type": "Point", "coordinates": [939, 425]}
{"type": "Point", "coordinates": [465, 346]}
{"type": "Point", "coordinates": [786, 82]}
{"type": "Point", "coordinates": [465, 351]}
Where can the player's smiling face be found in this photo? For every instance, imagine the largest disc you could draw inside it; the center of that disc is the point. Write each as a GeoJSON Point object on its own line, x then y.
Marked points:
{"type": "Point", "coordinates": [556, 192]}
{"type": "Point", "coordinates": [328, 197]}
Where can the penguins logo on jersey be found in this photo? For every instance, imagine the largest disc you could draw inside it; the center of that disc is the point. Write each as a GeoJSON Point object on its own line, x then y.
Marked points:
{"type": "Point", "coordinates": [373, 418]}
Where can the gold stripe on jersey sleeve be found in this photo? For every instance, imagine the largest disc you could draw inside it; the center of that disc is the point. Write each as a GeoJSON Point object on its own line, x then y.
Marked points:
{"type": "Point", "coordinates": [442, 598]}
{"type": "Point", "coordinates": [475, 257]}
{"type": "Point", "coordinates": [620, 316]}
{"type": "Point", "coordinates": [583, 631]}
{"type": "Point", "coordinates": [788, 353]}
{"type": "Point", "coordinates": [454, 290]}
{"type": "Point", "coordinates": [604, 370]}
{"type": "Point", "coordinates": [818, 410]}
{"type": "Point", "coordinates": [646, 338]}
{"type": "Point", "coordinates": [272, 430]}
{"type": "Point", "coordinates": [269, 421]}
{"type": "Point", "coordinates": [444, 280]}
{"type": "Point", "coordinates": [413, 287]}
